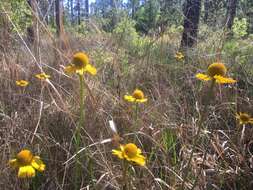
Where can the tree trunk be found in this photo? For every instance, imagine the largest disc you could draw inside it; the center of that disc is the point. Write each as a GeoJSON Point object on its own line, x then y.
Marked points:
{"type": "Point", "coordinates": [191, 21]}
{"type": "Point", "coordinates": [206, 8]}
{"type": "Point", "coordinates": [58, 17]}
{"type": "Point", "coordinates": [78, 12]}
{"type": "Point", "coordinates": [87, 8]}
{"type": "Point", "coordinates": [231, 12]}
{"type": "Point", "coordinates": [31, 30]}
{"type": "Point", "coordinates": [72, 11]}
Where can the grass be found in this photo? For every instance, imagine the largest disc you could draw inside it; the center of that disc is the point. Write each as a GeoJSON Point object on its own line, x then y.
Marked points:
{"type": "Point", "coordinates": [167, 123]}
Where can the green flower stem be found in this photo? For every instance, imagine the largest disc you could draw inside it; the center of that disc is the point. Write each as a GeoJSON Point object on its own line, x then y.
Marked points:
{"type": "Point", "coordinates": [136, 121]}
{"type": "Point", "coordinates": [78, 131]}
{"type": "Point", "coordinates": [125, 181]}
{"type": "Point", "coordinates": [200, 126]}
{"type": "Point", "coordinates": [81, 120]}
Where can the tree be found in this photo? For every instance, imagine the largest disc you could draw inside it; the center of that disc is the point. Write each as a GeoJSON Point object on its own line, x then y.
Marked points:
{"type": "Point", "coordinates": [59, 17]}
{"type": "Point", "coordinates": [134, 5]}
{"type": "Point", "coordinates": [86, 8]}
{"type": "Point", "coordinates": [231, 12]}
{"type": "Point", "coordinates": [78, 7]}
{"type": "Point", "coordinates": [191, 21]}
{"type": "Point", "coordinates": [31, 30]}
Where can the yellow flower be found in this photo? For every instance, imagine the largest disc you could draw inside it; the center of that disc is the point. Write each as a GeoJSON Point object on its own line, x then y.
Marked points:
{"type": "Point", "coordinates": [27, 164]}
{"type": "Point", "coordinates": [80, 64]}
{"type": "Point", "coordinates": [22, 83]}
{"type": "Point", "coordinates": [244, 118]}
{"type": "Point", "coordinates": [42, 76]}
{"type": "Point", "coordinates": [217, 72]}
{"type": "Point", "coordinates": [130, 152]}
{"type": "Point", "coordinates": [179, 56]}
{"type": "Point", "coordinates": [137, 96]}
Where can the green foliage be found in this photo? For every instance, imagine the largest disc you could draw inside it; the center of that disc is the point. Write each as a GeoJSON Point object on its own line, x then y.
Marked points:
{"type": "Point", "coordinates": [240, 27]}
{"type": "Point", "coordinates": [19, 13]}
{"type": "Point", "coordinates": [147, 16]}
{"type": "Point", "coordinates": [126, 34]}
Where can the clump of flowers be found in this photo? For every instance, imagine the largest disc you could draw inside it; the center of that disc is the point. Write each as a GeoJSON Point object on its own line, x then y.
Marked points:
{"type": "Point", "coordinates": [42, 76]}
{"type": "Point", "coordinates": [216, 72]}
{"type": "Point", "coordinates": [244, 118]}
{"type": "Point", "coordinates": [130, 152]}
{"type": "Point", "coordinates": [27, 163]}
{"type": "Point", "coordinates": [80, 64]}
{"type": "Point", "coordinates": [22, 83]}
{"type": "Point", "coordinates": [179, 56]}
{"type": "Point", "coordinates": [137, 96]}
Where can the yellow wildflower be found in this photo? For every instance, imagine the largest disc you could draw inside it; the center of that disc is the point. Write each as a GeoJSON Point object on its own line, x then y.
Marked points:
{"type": "Point", "coordinates": [42, 76]}
{"type": "Point", "coordinates": [217, 72]}
{"type": "Point", "coordinates": [244, 118]}
{"type": "Point", "coordinates": [137, 96]}
{"type": "Point", "coordinates": [179, 56]}
{"type": "Point", "coordinates": [80, 64]}
{"type": "Point", "coordinates": [27, 164]}
{"type": "Point", "coordinates": [22, 83]}
{"type": "Point", "coordinates": [130, 152]}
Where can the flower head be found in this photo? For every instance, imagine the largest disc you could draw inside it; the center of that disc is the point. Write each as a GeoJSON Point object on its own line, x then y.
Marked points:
{"type": "Point", "coordinates": [137, 96]}
{"type": "Point", "coordinates": [130, 152]}
{"type": "Point", "coordinates": [179, 56]}
{"type": "Point", "coordinates": [80, 64]}
{"type": "Point", "coordinates": [217, 72]}
{"type": "Point", "coordinates": [42, 76]}
{"type": "Point", "coordinates": [244, 118]}
{"type": "Point", "coordinates": [27, 163]}
{"type": "Point", "coordinates": [22, 83]}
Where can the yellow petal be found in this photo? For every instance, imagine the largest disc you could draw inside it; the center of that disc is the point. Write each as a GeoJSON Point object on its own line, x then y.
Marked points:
{"type": "Point", "coordinates": [223, 80]}
{"type": "Point", "coordinates": [129, 98]}
{"type": "Point", "coordinates": [38, 164]}
{"type": "Point", "coordinates": [117, 153]}
{"type": "Point", "coordinates": [203, 77]}
{"type": "Point", "coordinates": [139, 159]}
{"type": "Point", "coordinates": [70, 69]}
{"type": "Point", "coordinates": [26, 172]}
{"type": "Point", "coordinates": [141, 100]}
{"type": "Point", "coordinates": [90, 69]}
{"type": "Point", "coordinates": [13, 163]}
{"type": "Point", "coordinates": [80, 71]}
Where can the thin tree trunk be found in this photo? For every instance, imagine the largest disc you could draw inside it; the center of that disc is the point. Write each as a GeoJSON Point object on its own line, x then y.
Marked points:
{"type": "Point", "coordinates": [58, 17]}
{"type": "Point", "coordinates": [206, 8]}
{"type": "Point", "coordinates": [231, 12]}
{"type": "Point", "coordinates": [72, 11]}
{"type": "Point", "coordinates": [78, 12]}
{"type": "Point", "coordinates": [87, 10]}
{"type": "Point", "coordinates": [191, 21]}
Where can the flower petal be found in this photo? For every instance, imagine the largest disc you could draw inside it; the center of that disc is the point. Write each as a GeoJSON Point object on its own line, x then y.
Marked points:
{"type": "Point", "coordinates": [223, 80]}
{"type": "Point", "coordinates": [70, 69]}
{"type": "Point", "coordinates": [38, 164]}
{"type": "Point", "coordinates": [90, 69]}
{"type": "Point", "coordinates": [26, 172]}
{"type": "Point", "coordinates": [139, 159]}
{"type": "Point", "coordinates": [141, 100]}
{"type": "Point", "coordinates": [203, 77]}
{"type": "Point", "coordinates": [129, 98]}
{"type": "Point", "coordinates": [13, 163]}
{"type": "Point", "coordinates": [118, 153]}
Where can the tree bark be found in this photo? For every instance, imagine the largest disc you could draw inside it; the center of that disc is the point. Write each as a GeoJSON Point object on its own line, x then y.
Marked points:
{"type": "Point", "coordinates": [58, 17]}
{"type": "Point", "coordinates": [31, 30]}
{"type": "Point", "coordinates": [87, 10]}
{"type": "Point", "coordinates": [231, 12]}
{"type": "Point", "coordinates": [78, 12]}
{"type": "Point", "coordinates": [191, 21]}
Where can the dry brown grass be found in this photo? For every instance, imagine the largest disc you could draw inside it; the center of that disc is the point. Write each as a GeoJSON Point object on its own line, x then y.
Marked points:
{"type": "Point", "coordinates": [167, 124]}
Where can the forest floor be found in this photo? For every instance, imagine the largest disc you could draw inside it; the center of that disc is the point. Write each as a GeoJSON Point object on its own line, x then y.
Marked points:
{"type": "Point", "coordinates": [187, 129]}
